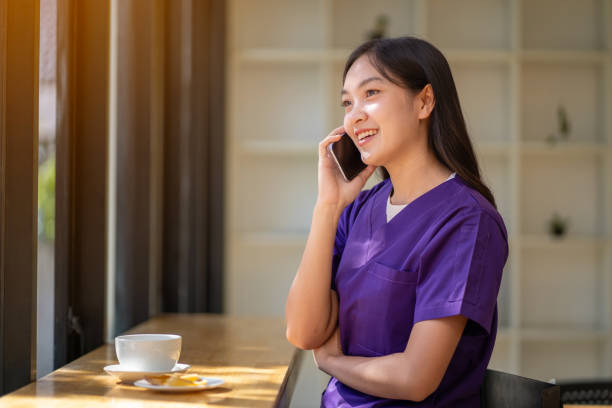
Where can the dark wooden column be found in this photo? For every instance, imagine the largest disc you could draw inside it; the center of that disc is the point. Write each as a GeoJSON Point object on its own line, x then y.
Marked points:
{"type": "Point", "coordinates": [193, 156]}
{"type": "Point", "coordinates": [19, 21]}
{"type": "Point", "coordinates": [139, 161]}
{"type": "Point", "coordinates": [82, 148]}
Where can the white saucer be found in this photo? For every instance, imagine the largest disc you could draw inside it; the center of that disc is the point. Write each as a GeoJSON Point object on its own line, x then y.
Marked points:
{"type": "Point", "coordinates": [211, 383]}
{"type": "Point", "coordinates": [129, 376]}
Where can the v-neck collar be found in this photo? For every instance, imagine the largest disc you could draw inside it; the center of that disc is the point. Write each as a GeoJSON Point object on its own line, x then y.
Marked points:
{"type": "Point", "coordinates": [381, 230]}
{"type": "Point", "coordinates": [391, 210]}
{"type": "Point", "coordinates": [428, 199]}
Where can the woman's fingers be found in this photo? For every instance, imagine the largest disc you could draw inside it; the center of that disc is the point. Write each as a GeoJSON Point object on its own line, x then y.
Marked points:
{"type": "Point", "coordinates": [333, 137]}
{"type": "Point", "coordinates": [338, 130]}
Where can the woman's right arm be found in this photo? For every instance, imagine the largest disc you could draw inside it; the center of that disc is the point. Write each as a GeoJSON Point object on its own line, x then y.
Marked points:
{"type": "Point", "coordinates": [311, 310]}
{"type": "Point", "coordinates": [312, 307]}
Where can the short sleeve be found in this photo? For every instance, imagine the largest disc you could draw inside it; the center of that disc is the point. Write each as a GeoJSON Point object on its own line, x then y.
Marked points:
{"type": "Point", "coordinates": [461, 269]}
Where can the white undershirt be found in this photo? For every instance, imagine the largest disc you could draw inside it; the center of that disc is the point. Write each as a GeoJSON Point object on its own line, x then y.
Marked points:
{"type": "Point", "coordinates": [394, 209]}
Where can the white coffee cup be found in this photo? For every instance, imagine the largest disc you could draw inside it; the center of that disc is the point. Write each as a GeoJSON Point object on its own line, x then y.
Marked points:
{"type": "Point", "coordinates": [148, 352]}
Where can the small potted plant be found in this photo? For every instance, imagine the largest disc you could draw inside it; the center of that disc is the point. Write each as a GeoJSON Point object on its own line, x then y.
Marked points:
{"type": "Point", "coordinates": [563, 127]}
{"type": "Point", "coordinates": [558, 225]}
{"type": "Point", "coordinates": [380, 28]}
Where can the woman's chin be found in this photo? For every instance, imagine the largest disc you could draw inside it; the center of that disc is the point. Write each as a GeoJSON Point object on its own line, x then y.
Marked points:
{"type": "Point", "coordinates": [366, 157]}
{"type": "Point", "coordinates": [369, 159]}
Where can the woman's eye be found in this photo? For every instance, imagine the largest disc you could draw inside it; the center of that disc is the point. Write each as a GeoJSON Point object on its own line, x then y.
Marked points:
{"type": "Point", "coordinates": [344, 104]}
{"type": "Point", "coordinates": [371, 92]}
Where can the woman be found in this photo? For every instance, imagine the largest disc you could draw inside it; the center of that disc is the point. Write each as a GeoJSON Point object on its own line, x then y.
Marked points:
{"type": "Point", "coordinates": [415, 263]}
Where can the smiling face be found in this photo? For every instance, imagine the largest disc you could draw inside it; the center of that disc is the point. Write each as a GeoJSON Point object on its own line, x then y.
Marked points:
{"type": "Point", "coordinates": [382, 118]}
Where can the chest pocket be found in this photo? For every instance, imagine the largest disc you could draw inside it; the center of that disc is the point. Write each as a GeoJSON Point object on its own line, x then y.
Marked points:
{"type": "Point", "coordinates": [377, 309]}
{"type": "Point", "coordinates": [392, 275]}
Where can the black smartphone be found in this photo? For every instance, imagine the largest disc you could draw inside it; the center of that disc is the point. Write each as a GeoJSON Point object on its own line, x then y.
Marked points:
{"type": "Point", "coordinates": [347, 157]}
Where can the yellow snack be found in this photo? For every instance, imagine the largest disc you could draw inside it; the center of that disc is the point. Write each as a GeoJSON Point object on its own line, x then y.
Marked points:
{"type": "Point", "coordinates": [177, 380]}
{"type": "Point", "coordinates": [158, 379]}
{"type": "Point", "coordinates": [190, 377]}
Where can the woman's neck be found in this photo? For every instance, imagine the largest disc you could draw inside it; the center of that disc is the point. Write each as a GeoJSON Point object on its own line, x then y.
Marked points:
{"type": "Point", "coordinates": [415, 175]}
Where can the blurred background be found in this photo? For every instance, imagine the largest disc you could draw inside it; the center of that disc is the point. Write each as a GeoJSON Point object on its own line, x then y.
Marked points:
{"type": "Point", "coordinates": [177, 156]}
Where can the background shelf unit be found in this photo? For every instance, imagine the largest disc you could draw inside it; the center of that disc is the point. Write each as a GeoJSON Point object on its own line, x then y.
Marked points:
{"type": "Point", "coordinates": [514, 62]}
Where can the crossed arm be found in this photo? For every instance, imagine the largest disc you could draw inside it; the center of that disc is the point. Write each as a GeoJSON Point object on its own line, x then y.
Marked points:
{"type": "Point", "coordinates": [411, 375]}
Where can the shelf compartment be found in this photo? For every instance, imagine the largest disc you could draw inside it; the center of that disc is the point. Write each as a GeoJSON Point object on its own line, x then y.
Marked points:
{"type": "Point", "coordinates": [281, 55]}
{"type": "Point", "coordinates": [276, 24]}
{"type": "Point", "coordinates": [353, 19]}
{"type": "Point", "coordinates": [563, 56]}
{"type": "Point", "coordinates": [262, 287]}
{"type": "Point", "coordinates": [497, 150]}
{"type": "Point", "coordinates": [495, 173]}
{"type": "Point", "coordinates": [292, 55]}
{"type": "Point", "coordinates": [504, 297]}
{"type": "Point", "coordinates": [567, 149]}
{"type": "Point", "coordinates": [501, 357]}
{"type": "Point", "coordinates": [279, 148]}
{"type": "Point", "coordinates": [466, 20]}
{"type": "Point", "coordinates": [560, 290]}
{"type": "Point", "coordinates": [295, 93]}
{"type": "Point", "coordinates": [569, 24]}
{"type": "Point", "coordinates": [484, 91]}
{"type": "Point", "coordinates": [336, 111]}
{"type": "Point", "coordinates": [274, 239]}
{"type": "Point", "coordinates": [276, 195]}
{"type": "Point", "coordinates": [579, 88]}
{"type": "Point", "coordinates": [544, 360]}
{"type": "Point", "coordinates": [476, 56]}
{"type": "Point", "coordinates": [569, 242]}
{"type": "Point", "coordinates": [562, 335]}
{"type": "Point", "coordinates": [569, 185]}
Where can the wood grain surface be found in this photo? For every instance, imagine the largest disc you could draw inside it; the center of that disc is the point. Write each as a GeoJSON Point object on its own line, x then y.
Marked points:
{"type": "Point", "coordinates": [252, 355]}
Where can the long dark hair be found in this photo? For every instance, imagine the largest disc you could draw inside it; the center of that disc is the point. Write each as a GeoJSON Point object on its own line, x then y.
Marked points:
{"type": "Point", "coordinates": [412, 63]}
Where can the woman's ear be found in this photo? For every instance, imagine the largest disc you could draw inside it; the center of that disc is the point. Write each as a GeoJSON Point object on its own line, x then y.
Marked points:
{"type": "Point", "coordinates": [425, 101]}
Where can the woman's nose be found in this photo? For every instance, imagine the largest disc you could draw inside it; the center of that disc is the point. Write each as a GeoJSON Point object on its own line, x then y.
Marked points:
{"type": "Point", "coordinates": [356, 116]}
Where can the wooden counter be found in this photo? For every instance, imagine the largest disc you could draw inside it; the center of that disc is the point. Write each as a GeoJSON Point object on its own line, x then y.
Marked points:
{"type": "Point", "coordinates": [252, 355]}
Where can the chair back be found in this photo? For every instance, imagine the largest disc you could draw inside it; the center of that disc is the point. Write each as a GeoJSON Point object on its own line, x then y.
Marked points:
{"type": "Point", "coordinates": [505, 390]}
{"type": "Point", "coordinates": [585, 391]}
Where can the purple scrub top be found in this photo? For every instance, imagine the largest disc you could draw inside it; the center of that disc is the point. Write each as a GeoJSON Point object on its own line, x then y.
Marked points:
{"type": "Point", "coordinates": [441, 255]}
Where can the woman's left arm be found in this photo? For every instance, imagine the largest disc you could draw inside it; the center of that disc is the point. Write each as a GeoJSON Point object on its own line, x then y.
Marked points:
{"type": "Point", "coordinates": [411, 375]}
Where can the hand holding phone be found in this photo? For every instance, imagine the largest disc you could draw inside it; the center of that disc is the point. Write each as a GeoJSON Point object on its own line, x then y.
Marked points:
{"type": "Point", "coordinates": [347, 157]}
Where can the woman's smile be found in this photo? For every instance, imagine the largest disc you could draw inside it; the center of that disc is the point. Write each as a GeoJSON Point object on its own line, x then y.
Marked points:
{"type": "Point", "coordinates": [365, 135]}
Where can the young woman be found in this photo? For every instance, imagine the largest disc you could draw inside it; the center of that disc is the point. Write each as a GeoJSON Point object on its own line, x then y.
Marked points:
{"type": "Point", "coordinates": [396, 293]}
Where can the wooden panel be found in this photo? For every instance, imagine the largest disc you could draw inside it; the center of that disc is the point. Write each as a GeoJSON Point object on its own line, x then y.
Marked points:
{"type": "Point", "coordinates": [83, 32]}
{"type": "Point", "coordinates": [18, 183]}
{"type": "Point", "coordinates": [90, 138]}
{"type": "Point", "coordinates": [133, 154]}
{"type": "Point", "coordinates": [193, 157]}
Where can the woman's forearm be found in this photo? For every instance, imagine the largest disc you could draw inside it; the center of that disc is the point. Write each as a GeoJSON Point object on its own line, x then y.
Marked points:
{"type": "Point", "coordinates": [309, 310]}
{"type": "Point", "coordinates": [389, 376]}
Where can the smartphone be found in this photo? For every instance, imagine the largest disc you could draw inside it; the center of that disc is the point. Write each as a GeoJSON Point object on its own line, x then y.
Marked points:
{"type": "Point", "coordinates": [347, 157]}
